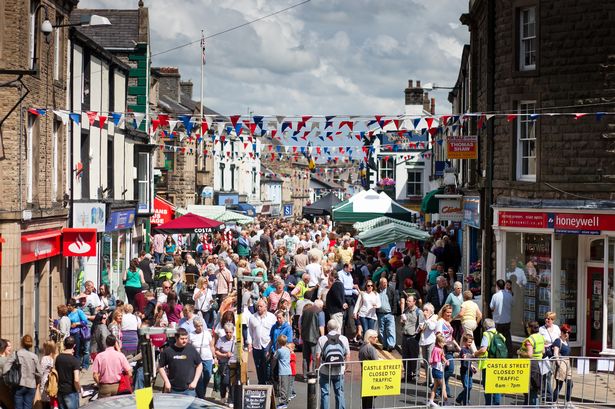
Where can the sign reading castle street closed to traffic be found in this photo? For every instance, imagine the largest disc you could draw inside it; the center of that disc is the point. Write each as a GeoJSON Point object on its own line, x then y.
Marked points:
{"type": "Point", "coordinates": [381, 378]}
{"type": "Point", "coordinates": [507, 376]}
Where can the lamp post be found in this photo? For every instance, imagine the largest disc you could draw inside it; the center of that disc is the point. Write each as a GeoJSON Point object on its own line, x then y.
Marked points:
{"type": "Point", "coordinates": [430, 86]}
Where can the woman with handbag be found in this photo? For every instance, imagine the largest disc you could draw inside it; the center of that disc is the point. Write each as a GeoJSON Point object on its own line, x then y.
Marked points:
{"type": "Point", "coordinates": [203, 341]}
{"type": "Point", "coordinates": [204, 301]}
{"type": "Point", "coordinates": [133, 280]}
{"type": "Point", "coordinates": [225, 353]}
{"type": "Point", "coordinates": [563, 365]}
{"type": "Point", "coordinates": [47, 363]}
{"type": "Point", "coordinates": [26, 364]}
{"type": "Point", "coordinates": [6, 398]}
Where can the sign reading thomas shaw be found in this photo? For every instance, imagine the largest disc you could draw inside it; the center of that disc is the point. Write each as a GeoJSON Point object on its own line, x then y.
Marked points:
{"type": "Point", "coordinates": [381, 378]}
{"type": "Point", "coordinates": [507, 376]}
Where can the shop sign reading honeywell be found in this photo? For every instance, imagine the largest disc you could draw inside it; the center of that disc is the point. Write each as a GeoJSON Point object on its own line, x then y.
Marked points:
{"type": "Point", "coordinates": [450, 209]}
{"type": "Point", "coordinates": [567, 223]}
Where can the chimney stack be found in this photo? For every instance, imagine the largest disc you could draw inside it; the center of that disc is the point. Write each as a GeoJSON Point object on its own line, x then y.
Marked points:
{"type": "Point", "coordinates": [414, 95]}
{"type": "Point", "coordinates": [186, 88]}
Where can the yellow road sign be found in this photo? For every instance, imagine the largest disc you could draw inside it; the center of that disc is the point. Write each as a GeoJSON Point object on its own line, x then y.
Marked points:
{"type": "Point", "coordinates": [381, 378]}
{"type": "Point", "coordinates": [507, 376]}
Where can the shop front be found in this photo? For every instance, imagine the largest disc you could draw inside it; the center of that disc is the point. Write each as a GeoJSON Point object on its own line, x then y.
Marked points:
{"type": "Point", "coordinates": [560, 260]}
{"type": "Point", "coordinates": [117, 249]}
{"type": "Point", "coordinates": [472, 239]}
{"type": "Point", "coordinates": [40, 283]}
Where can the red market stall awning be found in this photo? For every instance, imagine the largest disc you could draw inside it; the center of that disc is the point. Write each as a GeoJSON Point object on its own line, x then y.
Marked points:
{"type": "Point", "coordinates": [190, 223]}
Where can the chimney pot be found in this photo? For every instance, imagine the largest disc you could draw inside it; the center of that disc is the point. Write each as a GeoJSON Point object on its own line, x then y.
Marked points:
{"type": "Point", "coordinates": [433, 106]}
{"type": "Point", "coordinates": [409, 83]}
{"type": "Point", "coordinates": [418, 84]}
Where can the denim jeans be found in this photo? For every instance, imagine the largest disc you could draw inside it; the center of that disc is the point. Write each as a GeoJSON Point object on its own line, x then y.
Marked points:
{"type": "Point", "coordinates": [466, 380]}
{"type": "Point", "coordinates": [337, 382]}
{"type": "Point", "coordinates": [558, 388]}
{"type": "Point", "coordinates": [262, 365]}
{"type": "Point", "coordinates": [449, 371]}
{"type": "Point", "coordinates": [69, 401]}
{"type": "Point", "coordinates": [201, 386]}
{"type": "Point", "coordinates": [187, 392]}
{"type": "Point", "coordinates": [85, 360]}
{"type": "Point", "coordinates": [139, 378]}
{"type": "Point", "coordinates": [490, 398]}
{"type": "Point", "coordinates": [24, 397]}
{"type": "Point", "coordinates": [386, 329]}
{"type": "Point", "coordinates": [367, 323]}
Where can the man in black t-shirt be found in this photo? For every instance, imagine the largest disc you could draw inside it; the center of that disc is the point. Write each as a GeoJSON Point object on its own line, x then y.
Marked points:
{"type": "Point", "coordinates": [68, 368]}
{"type": "Point", "coordinates": [183, 364]}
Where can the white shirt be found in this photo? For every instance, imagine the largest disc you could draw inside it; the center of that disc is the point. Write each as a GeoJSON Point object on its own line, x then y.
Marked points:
{"type": "Point", "coordinates": [367, 305]}
{"type": "Point", "coordinates": [520, 274]}
{"type": "Point", "coordinates": [259, 328]}
{"type": "Point", "coordinates": [93, 300]}
{"type": "Point", "coordinates": [203, 301]}
{"type": "Point", "coordinates": [202, 343]}
{"type": "Point", "coordinates": [550, 334]}
{"type": "Point", "coordinates": [501, 305]}
{"type": "Point", "coordinates": [130, 322]}
{"type": "Point", "coordinates": [315, 272]}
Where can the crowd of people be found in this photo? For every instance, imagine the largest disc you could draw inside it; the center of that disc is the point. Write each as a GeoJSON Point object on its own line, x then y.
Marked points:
{"type": "Point", "coordinates": [303, 286]}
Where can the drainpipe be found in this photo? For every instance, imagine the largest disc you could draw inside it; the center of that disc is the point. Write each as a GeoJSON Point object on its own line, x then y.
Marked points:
{"type": "Point", "coordinates": [488, 273]}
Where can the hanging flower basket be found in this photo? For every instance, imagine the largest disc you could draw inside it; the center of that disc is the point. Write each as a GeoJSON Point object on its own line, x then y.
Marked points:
{"type": "Point", "coordinates": [386, 182]}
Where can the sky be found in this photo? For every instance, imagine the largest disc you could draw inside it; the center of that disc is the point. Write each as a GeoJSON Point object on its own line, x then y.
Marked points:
{"type": "Point", "coordinates": [325, 57]}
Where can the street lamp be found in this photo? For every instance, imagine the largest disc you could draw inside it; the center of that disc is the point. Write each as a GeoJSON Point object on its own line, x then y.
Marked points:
{"type": "Point", "coordinates": [430, 86]}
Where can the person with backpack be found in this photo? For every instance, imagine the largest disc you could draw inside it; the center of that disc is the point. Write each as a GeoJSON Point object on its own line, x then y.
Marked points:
{"type": "Point", "coordinates": [492, 345]}
{"type": "Point", "coordinates": [48, 391]}
{"type": "Point", "coordinates": [332, 350]}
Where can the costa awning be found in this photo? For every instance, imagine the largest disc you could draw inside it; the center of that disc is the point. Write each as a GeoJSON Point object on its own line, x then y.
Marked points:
{"type": "Point", "coordinates": [190, 223]}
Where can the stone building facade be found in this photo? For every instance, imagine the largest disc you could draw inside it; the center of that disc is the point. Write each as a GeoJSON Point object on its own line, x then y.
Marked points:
{"type": "Point", "coordinates": [33, 152]}
{"type": "Point", "coordinates": [545, 175]}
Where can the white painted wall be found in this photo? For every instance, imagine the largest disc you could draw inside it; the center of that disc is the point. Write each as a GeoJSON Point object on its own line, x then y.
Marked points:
{"type": "Point", "coordinates": [76, 89]}
{"type": "Point", "coordinates": [247, 169]}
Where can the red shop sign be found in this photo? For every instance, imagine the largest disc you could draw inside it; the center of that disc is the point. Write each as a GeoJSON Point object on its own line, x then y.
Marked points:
{"type": "Point", "coordinates": [79, 242]}
{"type": "Point", "coordinates": [523, 219]}
{"type": "Point", "coordinates": [40, 245]}
{"type": "Point", "coordinates": [163, 211]}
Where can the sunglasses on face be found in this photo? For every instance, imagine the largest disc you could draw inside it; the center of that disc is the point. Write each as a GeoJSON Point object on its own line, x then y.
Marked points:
{"type": "Point", "coordinates": [166, 288]}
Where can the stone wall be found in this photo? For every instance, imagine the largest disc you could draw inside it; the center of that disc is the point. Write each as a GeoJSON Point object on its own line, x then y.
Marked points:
{"type": "Point", "coordinates": [575, 67]}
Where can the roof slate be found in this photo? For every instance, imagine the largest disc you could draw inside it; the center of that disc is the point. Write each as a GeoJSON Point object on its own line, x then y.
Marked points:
{"type": "Point", "coordinates": [123, 32]}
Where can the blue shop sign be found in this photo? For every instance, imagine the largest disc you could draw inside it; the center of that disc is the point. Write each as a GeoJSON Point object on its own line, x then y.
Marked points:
{"type": "Point", "coordinates": [120, 220]}
{"type": "Point", "coordinates": [471, 211]}
{"type": "Point", "coordinates": [288, 210]}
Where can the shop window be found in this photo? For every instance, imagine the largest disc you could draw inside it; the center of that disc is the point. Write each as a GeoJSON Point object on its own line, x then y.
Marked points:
{"type": "Point", "coordinates": [528, 258]}
{"type": "Point", "coordinates": [143, 178]}
{"type": "Point", "coordinates": [565, 283]}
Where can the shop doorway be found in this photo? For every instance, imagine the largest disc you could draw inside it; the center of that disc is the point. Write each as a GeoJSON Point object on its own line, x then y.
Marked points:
{"type": "Point", "coordinates": [595, 298]}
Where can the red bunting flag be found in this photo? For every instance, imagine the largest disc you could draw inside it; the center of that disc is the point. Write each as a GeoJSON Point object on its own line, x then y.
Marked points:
{"type": "Point", "coordinates": [163, 118]}
{"type": "Point", "coordinates": [270, 148]}
{"type": "Point", "coordinates": [306, 118]}
{"type": "Point", "coordinates": [204, 127]}
{"type": "Point", "coordinates": [245, 145]}
{"type": "Point", "coordinates": [318, 150]}
{"type": "Point", "coordinates": [444, 120]}
{"type": "Point", "coordinates": [34, 112]}
{"type": "Point", "coordinates": [397, 122]}
{"type": "Point", "coordinates": [429, 122]}
{"type": "Point", "coordinates": [579, 116]}
{"type": "Point", "coordinates": [234, 119]}
{"type": "Point", "coordinates": [91, 117]}
{"type": "Point", "coordinates": [101, 120]}
{"type": "Point", "coordinates": [511, 117]}
{"type": "Point", "coordinates": [155, 124]}
{"type": "Point", "coordinates": [294, 149]}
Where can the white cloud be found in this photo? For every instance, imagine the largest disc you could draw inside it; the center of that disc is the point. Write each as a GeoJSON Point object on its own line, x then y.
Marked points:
{"type": "Point", "coordinates": [324, 57]}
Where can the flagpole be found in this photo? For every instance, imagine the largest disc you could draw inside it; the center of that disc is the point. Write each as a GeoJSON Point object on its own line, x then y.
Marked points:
{"type": "Point", "coordinates": [201, 144]}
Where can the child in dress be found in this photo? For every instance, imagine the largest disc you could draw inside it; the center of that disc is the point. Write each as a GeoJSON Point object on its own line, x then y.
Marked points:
{"type": "Point", "coordinates": [438, 361]}
{"type": "Point", "coordinates": [293, 370]}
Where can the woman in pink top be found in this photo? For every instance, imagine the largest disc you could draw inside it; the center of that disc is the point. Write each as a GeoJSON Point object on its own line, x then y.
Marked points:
{"type": "Point", "coordinates": [173, 309]}
{"type": "Point", "coordinates": [277, 295]}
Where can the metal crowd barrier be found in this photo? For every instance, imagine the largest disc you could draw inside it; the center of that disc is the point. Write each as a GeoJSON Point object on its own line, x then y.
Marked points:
{"type": "Point", "coordinates": [584, 382]}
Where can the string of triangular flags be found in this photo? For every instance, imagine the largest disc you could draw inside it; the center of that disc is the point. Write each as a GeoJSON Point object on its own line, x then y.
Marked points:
{"type": "Point", "coordinates": [299, 126]}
